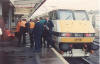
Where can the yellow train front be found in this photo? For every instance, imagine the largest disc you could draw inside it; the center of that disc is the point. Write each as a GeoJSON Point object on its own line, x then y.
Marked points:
{"type": "Point", "coordinates": [73, 32]}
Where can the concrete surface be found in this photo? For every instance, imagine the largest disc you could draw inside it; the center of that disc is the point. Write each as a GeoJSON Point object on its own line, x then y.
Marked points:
{"type": "Point", "coordinates": [10, 54]}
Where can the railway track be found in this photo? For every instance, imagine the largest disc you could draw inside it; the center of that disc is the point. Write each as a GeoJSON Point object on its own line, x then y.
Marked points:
{"type": "Point", "coordinates": [76, 61]}
{"type": "Point", "coordinates": [96, 42]}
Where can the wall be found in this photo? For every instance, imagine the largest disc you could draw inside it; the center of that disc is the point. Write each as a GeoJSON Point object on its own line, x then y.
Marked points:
{"type": "Point", "coordinates": [0, 8]}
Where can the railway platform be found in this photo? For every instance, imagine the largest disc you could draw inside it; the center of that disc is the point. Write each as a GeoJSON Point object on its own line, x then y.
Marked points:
{"type": "Point", "coordinates": [10, 54]}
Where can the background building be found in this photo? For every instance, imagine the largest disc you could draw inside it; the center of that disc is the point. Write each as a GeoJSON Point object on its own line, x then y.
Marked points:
{"type": "Point", "coordinates": [7, 12]}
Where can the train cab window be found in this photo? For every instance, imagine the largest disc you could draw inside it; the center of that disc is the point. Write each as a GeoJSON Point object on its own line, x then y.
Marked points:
{"type": "Point", "coordinates": [65, 15]}
{"type": "Point", "coordinates": [54, 16]}
{"type": "Point", "coordinates": [81, 15]}
{"type": "Point", "coordinates": [51, 15]}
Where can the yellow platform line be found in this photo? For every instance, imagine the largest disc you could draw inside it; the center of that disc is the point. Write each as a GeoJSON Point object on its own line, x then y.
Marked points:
{"type": "Point", "coordinates": [60, 56]}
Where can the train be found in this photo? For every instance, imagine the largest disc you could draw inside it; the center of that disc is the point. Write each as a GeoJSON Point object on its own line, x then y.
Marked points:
{"type": "Point", "coordinates": [73, 32]}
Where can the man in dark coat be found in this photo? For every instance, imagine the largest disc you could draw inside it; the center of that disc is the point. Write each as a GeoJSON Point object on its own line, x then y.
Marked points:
{"type": "Point", "coordinates": [48, 30]}
{"type": "Point", "coordinates": [37, 35]}
{"type": "Point", "coordinates": [42, 22]}
{"type": "Point", "coordinates": [49, 26]}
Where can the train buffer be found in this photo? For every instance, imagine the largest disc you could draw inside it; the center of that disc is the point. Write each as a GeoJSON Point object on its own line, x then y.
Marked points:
{"type": "Point", "coordinates": [26, 55]}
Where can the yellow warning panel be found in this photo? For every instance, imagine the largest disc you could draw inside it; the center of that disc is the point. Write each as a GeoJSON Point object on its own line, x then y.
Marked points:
{"type": "Point", "coordinates": [76, 40]}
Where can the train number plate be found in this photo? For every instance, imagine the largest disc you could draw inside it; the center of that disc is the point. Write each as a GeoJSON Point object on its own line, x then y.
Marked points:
{"type": "Point", "coordinates": [78, 39]}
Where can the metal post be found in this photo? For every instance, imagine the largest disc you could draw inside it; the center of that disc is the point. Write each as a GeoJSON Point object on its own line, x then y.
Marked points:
{"type": "Point", "coordinates": [10, 19]}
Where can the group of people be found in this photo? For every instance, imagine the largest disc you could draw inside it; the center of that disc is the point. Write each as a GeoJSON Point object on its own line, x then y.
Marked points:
{"type": "Point", "coordinates": [39, 30]}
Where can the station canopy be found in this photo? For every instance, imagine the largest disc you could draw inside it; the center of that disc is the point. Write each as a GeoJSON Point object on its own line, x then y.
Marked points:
{"type": "Point", "coordinates": [25, 7]}
{"type": "Point", "coordinates": [50, 5]}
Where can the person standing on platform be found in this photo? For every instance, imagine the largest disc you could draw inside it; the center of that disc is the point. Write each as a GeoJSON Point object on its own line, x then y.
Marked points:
{"type": "Point", "coordinates": [22, 33]}
{"type": "Point", "coordinates": [37, 35]}
{"type": "Point", "coordinates": [27, 26]}
{"type": "Point", "coordinates": [0, 33]}
{"type": "Point", "coordinates": [49, 26]}
{"type": "Point", "coordinates": [18, 28]}
{"type": "Point", "coordinates": [44, 36]}
{"type": "Point", "coordinates": [31, 32]}
{"type": "Point", "coordinates": [42, 22]}
{"type": "Point", "coordinates": [2, 26]}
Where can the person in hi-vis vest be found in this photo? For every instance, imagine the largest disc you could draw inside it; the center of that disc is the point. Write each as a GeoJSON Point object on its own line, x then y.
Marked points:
{"type": "Point", "coordinates": [22, 33]}
{"type": "Point", "coordinates": [31, 32]}
{"type": "Point", "coordinates": [18, 28]}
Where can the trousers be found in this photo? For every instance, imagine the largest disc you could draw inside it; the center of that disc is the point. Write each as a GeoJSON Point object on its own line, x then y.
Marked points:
{"type": "Point", "coordinates": [22, 35]}
{"type": "Point", "coordinates": [37, 40]}
{"type": "Point", "coordinates": [31, 34]}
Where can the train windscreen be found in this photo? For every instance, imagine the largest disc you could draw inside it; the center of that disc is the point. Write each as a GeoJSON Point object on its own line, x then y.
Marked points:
{"type": "Point", "coordinates": [65, 15]}
{"type": "Point", "coordinates": [80, 15]}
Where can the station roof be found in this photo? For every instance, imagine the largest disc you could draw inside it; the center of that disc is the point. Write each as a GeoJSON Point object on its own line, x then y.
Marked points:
{"type": "Point", "coordinates": [5, 0]}
{"type": "Point", "coordinates": [25, 7]}
{"type": "Point", "coordinates": [50, 5]}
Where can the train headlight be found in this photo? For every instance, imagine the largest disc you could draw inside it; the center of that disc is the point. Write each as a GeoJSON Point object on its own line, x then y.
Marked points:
{"type": "Point", "coordinates": [89, 35]}
{"type": "Point", "coordinates": [77, 34]}
{"type": "Point", "coordinates": [63, 35]}
{"type": "Point", "coordinates": [66, 35]}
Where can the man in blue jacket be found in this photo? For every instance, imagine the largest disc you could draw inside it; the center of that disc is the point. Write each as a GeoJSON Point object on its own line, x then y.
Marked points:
{"type": "Point", "coordinates": [37, 35]}
{"type": "Point", "coordinates": [42, 22]}
{"type": "Point", "coordinates": [48, 31]}
{"type": "Point", "coordinates": [48, 27]}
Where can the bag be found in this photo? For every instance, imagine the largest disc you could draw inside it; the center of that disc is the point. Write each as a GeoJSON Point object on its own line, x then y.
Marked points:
{"type": "Point", "coordinates": [0, 31]}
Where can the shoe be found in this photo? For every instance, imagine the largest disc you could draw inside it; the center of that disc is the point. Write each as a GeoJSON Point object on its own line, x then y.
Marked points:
{"type": "Point", "coordinates": [18, 46]}
{"type": "Point", "coordinates": [31, 46]}
{"type": "Point", "coordinates": [44, 46]}
{"type": "Point", "coordinates": [38, 51]}
{"type": "Point", "coordinates": [23, 44]}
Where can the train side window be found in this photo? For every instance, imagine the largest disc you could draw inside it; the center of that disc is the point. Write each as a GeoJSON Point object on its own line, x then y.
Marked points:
{"type": "Point", "coordinates": [51, 15]}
